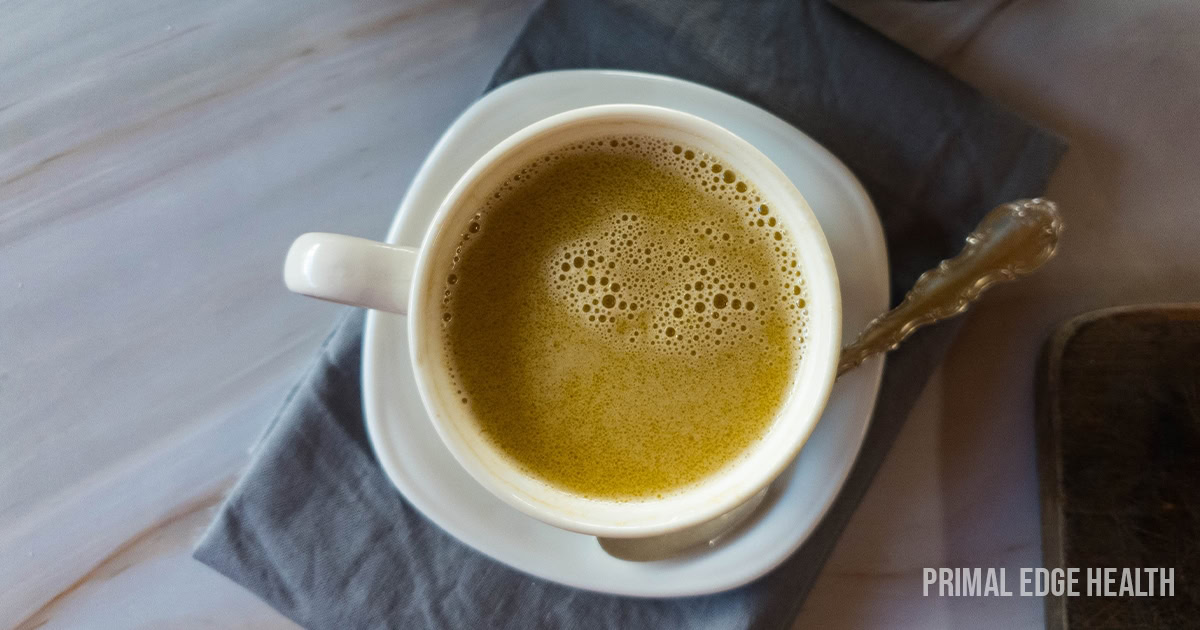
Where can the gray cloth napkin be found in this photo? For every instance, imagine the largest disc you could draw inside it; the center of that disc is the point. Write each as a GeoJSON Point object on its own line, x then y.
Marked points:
{"type": "Point", "coordinates": [317, 530]}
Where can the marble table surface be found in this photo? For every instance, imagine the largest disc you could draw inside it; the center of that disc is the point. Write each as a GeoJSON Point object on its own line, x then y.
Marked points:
{"type": "Point", "coordinates": [156, 159]}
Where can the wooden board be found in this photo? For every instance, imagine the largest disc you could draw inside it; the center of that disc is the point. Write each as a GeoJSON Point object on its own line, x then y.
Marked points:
{"type": "Point", "coordinates": [1119, 457]}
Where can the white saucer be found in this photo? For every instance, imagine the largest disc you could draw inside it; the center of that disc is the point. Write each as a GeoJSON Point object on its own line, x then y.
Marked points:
{"type": "Point", "coordinates": [414, 458]}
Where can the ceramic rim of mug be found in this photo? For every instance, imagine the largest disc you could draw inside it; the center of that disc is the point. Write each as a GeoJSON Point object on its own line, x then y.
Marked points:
{"type": "Point", "coordinates": [716, 494]}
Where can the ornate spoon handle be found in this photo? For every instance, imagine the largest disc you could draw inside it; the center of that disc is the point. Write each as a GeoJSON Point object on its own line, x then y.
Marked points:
{"type": "Point", "coordinates": [1013, 240]}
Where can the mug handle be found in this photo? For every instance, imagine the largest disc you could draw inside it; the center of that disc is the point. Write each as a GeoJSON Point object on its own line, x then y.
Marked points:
{"type": "Point", "coordinates": [351, 270]}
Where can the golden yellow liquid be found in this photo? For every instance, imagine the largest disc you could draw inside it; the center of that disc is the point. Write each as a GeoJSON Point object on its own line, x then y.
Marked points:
{"type": "Point", "coordinates": [623, 317]}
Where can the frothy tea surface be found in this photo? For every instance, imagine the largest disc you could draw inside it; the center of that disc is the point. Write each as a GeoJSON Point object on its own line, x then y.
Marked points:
{"type": "Point", "coordinates": [623, 317]}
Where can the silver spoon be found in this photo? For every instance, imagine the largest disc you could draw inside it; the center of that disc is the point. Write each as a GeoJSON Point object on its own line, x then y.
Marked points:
{"type": "Point", "coordinates": [1012, 241]}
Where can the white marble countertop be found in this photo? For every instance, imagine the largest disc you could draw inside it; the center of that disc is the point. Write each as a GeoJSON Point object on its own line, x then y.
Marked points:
{"type": "Point", "coordinates": [157, 158]}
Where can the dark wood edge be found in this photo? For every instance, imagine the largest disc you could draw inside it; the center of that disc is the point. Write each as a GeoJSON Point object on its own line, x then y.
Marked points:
{"type": "Point", "coordinates": [1046, 429]}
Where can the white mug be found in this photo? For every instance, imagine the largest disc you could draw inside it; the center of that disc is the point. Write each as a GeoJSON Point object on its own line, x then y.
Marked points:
{"type": "Point", "coordinates": [374, 275]}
